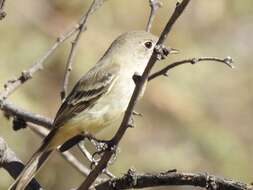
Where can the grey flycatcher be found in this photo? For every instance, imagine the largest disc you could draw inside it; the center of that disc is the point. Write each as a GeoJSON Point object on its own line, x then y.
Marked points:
{"type": "Point", "coordinates": [97, 100]}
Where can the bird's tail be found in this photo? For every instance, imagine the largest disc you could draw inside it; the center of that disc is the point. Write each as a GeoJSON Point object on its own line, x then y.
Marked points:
{"type": "Point", "coordinates": [31, 168]}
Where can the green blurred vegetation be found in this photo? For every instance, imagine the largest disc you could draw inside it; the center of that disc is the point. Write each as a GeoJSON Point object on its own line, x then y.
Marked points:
{"type": "Point", "coordinates": [199, 119]}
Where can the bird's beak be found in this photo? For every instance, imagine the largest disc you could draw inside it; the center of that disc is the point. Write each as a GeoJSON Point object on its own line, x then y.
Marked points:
{"type": "Point", "coordinates": [163, 52]}
{"type": "Point", "coordinates": [173, 51]}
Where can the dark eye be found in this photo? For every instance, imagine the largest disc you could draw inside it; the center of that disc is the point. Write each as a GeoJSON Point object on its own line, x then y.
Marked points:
{"type": "Point", "coordinates": [148, 44]}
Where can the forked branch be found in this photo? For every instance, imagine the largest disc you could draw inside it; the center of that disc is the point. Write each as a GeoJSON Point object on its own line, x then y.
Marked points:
{"type": "Point", "coordinates": [38, 65]}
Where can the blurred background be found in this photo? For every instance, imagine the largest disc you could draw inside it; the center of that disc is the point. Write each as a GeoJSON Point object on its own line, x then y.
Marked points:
{"type": "Point", "coordinates": [198, 119]}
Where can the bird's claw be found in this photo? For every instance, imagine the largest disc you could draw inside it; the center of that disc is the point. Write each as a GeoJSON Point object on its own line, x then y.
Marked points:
{"type": "Point", "coordinates": [102, 146]}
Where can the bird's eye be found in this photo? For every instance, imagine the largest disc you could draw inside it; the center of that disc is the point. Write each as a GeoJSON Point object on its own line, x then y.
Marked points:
{"type": "Point", "coordinates": [148, 44]}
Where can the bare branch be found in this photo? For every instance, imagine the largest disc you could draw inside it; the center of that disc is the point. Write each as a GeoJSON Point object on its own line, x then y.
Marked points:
{"type": "Point", "coordinates": [131, 180]}
{"type": "Point", "coordinates": [124, 124]}
{"type": "Point", "coordinates": [82, 26]}
{"type": "Point", "coordinates": [13, 165]}
{"type": "Point", "coordinates": [2, 12]}
{"type": "Point", "coordinates": [164, 72]}
{"type": "Point", "coordinates": [154, 6]}
{"type": "Point", "coordinates": [12, 110]}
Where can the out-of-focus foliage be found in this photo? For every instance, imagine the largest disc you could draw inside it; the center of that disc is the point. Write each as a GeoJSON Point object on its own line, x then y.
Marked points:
{"type": "Point", "coordinates": [198, 119]}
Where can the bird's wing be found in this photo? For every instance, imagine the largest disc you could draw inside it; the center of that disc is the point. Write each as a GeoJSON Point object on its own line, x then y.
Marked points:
{"type": "Point", "coordinates": [87, 92]}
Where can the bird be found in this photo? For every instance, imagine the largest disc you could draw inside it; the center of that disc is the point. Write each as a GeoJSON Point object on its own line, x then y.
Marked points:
{"type": "Point", "coordinates": [97, 100]}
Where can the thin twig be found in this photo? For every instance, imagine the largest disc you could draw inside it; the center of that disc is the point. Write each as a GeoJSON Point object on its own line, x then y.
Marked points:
{"type": "Point", "coordinates": [164, 72]}
{"type": "Point", "coordinates": [131, 180]}
{"type": "Point", "coordinates": [124, 125]}
{"type": "Point", "coordinates": [154, 6]}
{"type": "Point", "coordinates": [2, 12]}
{"type": "Point", "coordinates": [85, 152]}
{"type": "Point", "coordinates": [13, 84]}
{"type": "Point", "coordinates": [82, 26]}
{"type": "Point", "coordinates": [13, 165]}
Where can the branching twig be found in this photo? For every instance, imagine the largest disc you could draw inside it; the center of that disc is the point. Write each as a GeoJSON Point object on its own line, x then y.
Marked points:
{"type": "Point", "coordinates": [13, 165]}
{"type": "Point", "coordinates": [2, 12]}
{"type": "Point", "coordinates": [131, 180]}
{"type": "Point", "coordinates": [124, 125]}
{"type": "Point", "coordinates": [13, 84]}
{"type": "Point", "coordinates": [164, 72]}
{"type": "Point", "coordinates": [82, 26]}
{"type": "Point", "coordinates": [154, 6]}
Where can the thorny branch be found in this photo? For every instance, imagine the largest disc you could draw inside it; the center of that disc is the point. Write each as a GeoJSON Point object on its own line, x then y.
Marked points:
{"type": "Point", "coordinates": [2, 12]}
{"type": "Point", "coordinates": [13, 165]}
{"type": "Point", "coordinates": [124, 125]}
{"type": "Point", "coordinates": [82, 26]}
{"type": "Point", "coordinates": [154, 6]}
{"type": "Point", "coordinates": [164, 72]}
{"type": "Point", "coordinates": [131, 180]}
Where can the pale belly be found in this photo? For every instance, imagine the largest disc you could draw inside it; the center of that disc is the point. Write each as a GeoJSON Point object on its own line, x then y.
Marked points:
{"type": "Point", "coordinates": [106, 113]}
{"type": "Point", "coordinates": [93, 122]}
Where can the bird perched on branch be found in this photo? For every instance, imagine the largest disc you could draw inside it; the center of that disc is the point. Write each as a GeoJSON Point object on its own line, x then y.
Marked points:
{"type": "Point", "coordinates": [98, 99]}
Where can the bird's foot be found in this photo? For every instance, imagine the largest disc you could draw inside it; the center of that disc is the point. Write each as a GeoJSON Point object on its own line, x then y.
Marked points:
{"type": "Point", "coordinates": [102, 146]}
